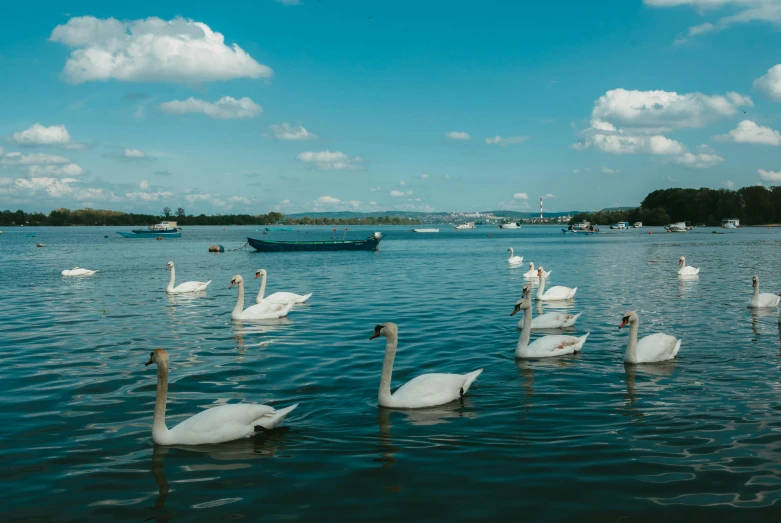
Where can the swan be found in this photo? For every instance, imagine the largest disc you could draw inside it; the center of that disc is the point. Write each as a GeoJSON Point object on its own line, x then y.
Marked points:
{"type": "Point", "coordinates": [427, 390]}
{"type": "Point", "coordinates": [532, 272]}
{"type": "Point", "coordinates": [214, 425]}
{"type": "Point", "coordinates": [513, 258]}
{"type": "Point", "coordinates": [651, 349]}
{"type": "Point", "coordinates": [546, 346]}
{"type": "Point", "coordinates": [277, 297]}
{"type": "Point", "coordinates": [78, 271]}
{"type": "Point", "coordinates": [764, 300]}
{"type": "Point", "coordinates": [686, 270]}
{"type": "Point", "coordinates": [182, 288]}
{"type": "Point", "coordinates": [554, 293]}
{"type": "Point", "coordinates": [261, 311]}
{"type": "Point", "coordinates": [549, 320]}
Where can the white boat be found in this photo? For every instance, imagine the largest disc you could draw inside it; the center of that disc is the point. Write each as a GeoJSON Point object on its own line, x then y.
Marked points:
{"type": "Point", "coordinates": [637, 225]}
{"type": "Point", "coordinates": [509, 225]}
{"type": "Point", "coordinates": [730, 223]}
{"type": "Point", "coordinates": [677, 227]}
{"type": "Point", "coordinates": [620, 225]}
{"type": "Point", "coordinates": [426, 230]}
{"type": "Point", "coordinates": [465, 225]}
{"type": "Point", "coordinates": [582, 226]}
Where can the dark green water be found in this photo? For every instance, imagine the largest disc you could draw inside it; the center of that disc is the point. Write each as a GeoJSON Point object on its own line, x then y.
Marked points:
{"type": "Point", "coordinates": [576, 437]}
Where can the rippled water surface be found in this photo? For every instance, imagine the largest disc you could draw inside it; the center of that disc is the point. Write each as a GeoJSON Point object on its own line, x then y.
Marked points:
{"type": "Point", "coordinates": [574, 437]}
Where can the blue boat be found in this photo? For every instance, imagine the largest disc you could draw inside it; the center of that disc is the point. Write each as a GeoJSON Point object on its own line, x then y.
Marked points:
{"type": "Point", "coordinates": [163, 229]}
{"type": "Point", "coordinates": [372, 243]}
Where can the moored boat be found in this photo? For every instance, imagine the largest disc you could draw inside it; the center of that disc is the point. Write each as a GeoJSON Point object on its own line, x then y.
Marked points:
{"type": "Point", "coordinates": [637, 225]}
{"type": "Point", "coordinates": [677, 227]}
{"type": "Point", "coordinates": [434, 229]}
{"type": "Point", "coordinates": [279, 228]}
{"type": "Point", "coordinates": [162, 229]}
{"type": "Point", "coordinates": [620, 225]}
{"type": "Point", "coordinates": [371, 243]}
{"type": "Point", "coordinates": [730, 223]}
{"type": "Point", "coordinates": [465, 225]}
{"type": "Point", "coordinates": [509, 225]}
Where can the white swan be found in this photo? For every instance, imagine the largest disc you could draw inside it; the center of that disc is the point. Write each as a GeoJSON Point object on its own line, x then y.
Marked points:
{"type": "Point", "coordinates": [764, 300]}
{"type": "Point", "coordinates": [427, 390]}
{"type": "Point", "coordinates": [686, 270]}
{"type": "Point", "coordinates": [277, 297]}
{"type": "Point", "coordinates": [261, 311]}
{"type": "Point", "coordinates": [188, 286]}
{"type": "Point", "coordinates": [651, 349]}
{"type": "Point", "coordinates": [549, 320]}
{"type": "Point", "coordinates": [215, 425]}
{"type": "Point", "coordinates": [532, 272]}
{"type": "Point", "coordinates": [513, 259]}
{"type": "Point", "coordinates": [554, 293]}
{"type": "Point", "coordinates": [546, 346]}
{"type": "Point", "coordinates": [78, 271]}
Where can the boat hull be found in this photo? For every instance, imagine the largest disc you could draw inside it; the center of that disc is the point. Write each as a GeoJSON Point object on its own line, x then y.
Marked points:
{"type": "Point", "coordinates": [370, 244]}
{"type": "Point", "coordinates": [146, 234]}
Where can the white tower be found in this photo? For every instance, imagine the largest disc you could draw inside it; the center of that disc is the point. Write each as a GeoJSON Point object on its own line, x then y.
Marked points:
{"type": "Point", "coordinates": [540, 208]}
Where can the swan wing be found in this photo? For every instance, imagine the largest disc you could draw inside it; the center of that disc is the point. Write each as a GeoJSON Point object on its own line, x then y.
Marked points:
{"type": "Point", "coordinates": [554, 320]}
{"type": "Point", "coordinates": [515, 259]}
{"type": "Point", "coordinates": [767, 300]}
{"type": "Point", "coordinates": [559, 345]}
{"type": "Point", "coordinates": [429, 390]}
{"type": "Point", "coordinates": [657, 347]}
{"type": "Point", "coordinates": [265, 310]}
{"type": "Point", "coordinates": [286, 297]}
{"type": "Point", "coordinates": [220, 424]}
{"type": "Point", "coordinates": [191, 286]}
{"type": "Point", "coordinates": [559, 292]}
{"type": "Point", "coordinates": [689, 270]}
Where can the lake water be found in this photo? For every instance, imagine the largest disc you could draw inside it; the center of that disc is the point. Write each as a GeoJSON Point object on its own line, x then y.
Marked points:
{"type": "Point", "coordinates": [574, 437]}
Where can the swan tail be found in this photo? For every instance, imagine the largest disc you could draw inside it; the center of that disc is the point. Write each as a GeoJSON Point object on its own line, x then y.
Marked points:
{"type": "Point", "coordinates": [572, 320]}
{"type": "Point", "coordinates": [303, 298]}
{"type": "Point", "coordinates": [470, 378]}
{"type": "Point", "coordinates": [270, 421]}
{"type": "Point", "coordinates": [582, 341]}
{"type": "Point", "coordinates": [207, 284]}
{"type": "Point", "coordinates": [572, 294]}
{"type": "Point", "coordinates": [676, 348]}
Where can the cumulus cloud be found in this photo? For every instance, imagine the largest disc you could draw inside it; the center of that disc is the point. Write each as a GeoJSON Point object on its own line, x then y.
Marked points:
{"type": "Point", "coordinates": [151, 50]}
{"type": "Point", "coordinates": [458, 135]}
{"type": "Point", "coordinates": [17, 158]}
{"type": "Point", "coordinates": [424, 176]}
{"type": "Point", "coordinates": [608, 170]}
{"type": "Point", "coordinates": [54, 188]}
{"type": "Point", "coordinates": [520, 196]}
{"type": "Point", "coordinates": [147, 196]}
{"type": "Point", "coordinates": [396, 193]}
{"type": "Point", "coordinates": [327, 160]}
{"type": "Point", "coordinates": [498, 140]}
{"type": "Point", "coordinates": [225, 108]}
{"type": "Point", "coordinates": [329, 203]}
{"type": "Point", "coordinates": [285, 131]}
{"type": "Point", "coordinates": [38, 134]}
{"type": "Point", "coordinates": [770, 176]}
{"type": "Point", "coordinates": [698, 161]}
{"type": "Point", "coordinates": [144, 185]}
{"type": "Point", "coordinates": [729, 184]}
{"type": "Point", "coordinates": [770, 83]}
{"type": "Point", "coordinates": [124, 154]}
{"type": "Point", "coordinates": [68, 170]}
{"type": "Point", "coordinates": [748, 131]}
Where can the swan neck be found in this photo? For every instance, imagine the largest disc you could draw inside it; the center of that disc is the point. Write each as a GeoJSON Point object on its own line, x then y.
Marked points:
{"type": "Point", "coordinates": [523, 341]}
{"type": "Point", "coordinates": [171, 281]}
{"type": "Point", "coordinates": [631, 346]}
{"type": "Point", "coordinates": [541, 286]}
{"type": "Point", "coordinates": [391, 344]}
{"type": "Point", "coordinates": [239, 308]}
{"type": "Point", "coordinates": [262, 291]}
{"type": "Point", "coordinates": [512, 252]}
{"type": "Point", "coordinates": [159, 430]}
{"type": "Point", "coordinates": [755, 296]}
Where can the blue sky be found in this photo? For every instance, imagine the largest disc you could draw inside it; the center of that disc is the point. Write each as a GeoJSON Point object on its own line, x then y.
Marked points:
{"type": "Point", "coordinates": [324, 105]}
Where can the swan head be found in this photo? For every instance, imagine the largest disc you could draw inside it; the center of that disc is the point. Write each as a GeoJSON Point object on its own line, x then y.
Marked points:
{"type": "Point", "coordinates": [236, 280]}
{"type": "Point", "coordinates": [527, 289]}
{"type": "Point", "coordinates": [629, 317]}
{"type": "Point", "coordinates": [755, 281]}
{"type": "Point", "coordinates": [521, 305]}
{"type": "Point", "coordinates": [389, 330]}
{"type": "Point", "coordinates": [169, 265]}
{"type": "Point", "coordinates": [510, 249]}
{"type": "Point", "coordinates": [681, 260]}
{"type": "Point", "coordinates": [531, 266]}
{"type": "Point", "coordinates": [160, 357]}
{"type": "Point", "coordinates": [259, 273]}
{"type": "Point", "coordinates": [540, 271]}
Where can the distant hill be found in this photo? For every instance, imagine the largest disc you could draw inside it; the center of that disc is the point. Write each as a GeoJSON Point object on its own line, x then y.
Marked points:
{"type": "Point", "coordinates": [429, 216]}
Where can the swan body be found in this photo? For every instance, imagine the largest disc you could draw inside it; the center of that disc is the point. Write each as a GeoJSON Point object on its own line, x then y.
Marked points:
{"type": "Point", "coordinates": [183, 288]}
{"type": "Point", "coordinates": [549, 320]}
{"type": "Point", "coordinates": [532, 272]}
{"type": "Point", "coordinates": [514, 259]}
{"type": "Point", "coordinates": [651, 349]}
{"type": "Point", "coordinates": [686, 270]}
{"type": "Point", "coordinates": [78, 271]}
{"type": "Point", "coordinates": [764, 300]}
{"type": "Point", "coordinates": [261, 311]}
{"type": "Point", "coordinates": [546, 346]}
{"type": "Point", "coordinates": [277, 297]}
{"type": "Point", "coordinates": [556, 293]}
{"type": "Point", "coordinates": [427, 390]}
{"type": "Point", "coordinates": [215, 425]}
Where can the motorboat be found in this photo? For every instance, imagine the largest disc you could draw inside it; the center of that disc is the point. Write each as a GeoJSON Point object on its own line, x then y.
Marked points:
{"type": "Point", "coordinates": [637, 225]}
{"type": "Point", "coordinates": [465, 225]}
{"type": "Point", "coordinates": [372, 243]}
{"type": "Point", "coordinates": [162, 229]}
{"type": "Point", "coordinates": [426, 230]}
{"type": "Point", "coordinates": [730, 223]}
{"type": "Point", "coordinates": [582, 226]}
{"type": "Point", "coordinates": [620, 225]}
{"type": "Point", "coordinates": [509, 225]}
{"type": "Point", "coordinates": [677, 227]}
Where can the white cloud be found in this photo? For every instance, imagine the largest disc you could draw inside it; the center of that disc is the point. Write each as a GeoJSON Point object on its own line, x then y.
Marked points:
{"type": "Point", "coordinates": [698, 161]}
{"type": "Point", "coordinates": [458, 135]}
{"type": "Point", "coordinates": [396, 193]}
{"type": "Point", "coordinates": [729, 184]}
{"type": "Point", "coordinates": [424, 176]}
{"type": "Point", "coordinates": [144, 185]}
{"type": "Point", "coordinates": [498, 140]}
{"type": "Point", "coordinates": [770, 176]}
{"type": "Point", "coordinates": [627, 144]}
{"type": "Point", "coordinates": [375, 189]}
{"type": "Point", "coordinates": [608, 170]}
{"type": "Point", "coordinates": [55, 188]}
{"type": "Point", "coordinates": [520, 196]}
{"type": "Point", "coordinates": [151, 50]}
{"type": "Point", "coordinates": [328, 199]}
{"type": "Point", "coordinates": [770, 83]}
{"type": "Point", "coordinates": [68, 169]}
{"type": "Point", "coordinates": [225, 108]}
{"type": "Point", "coordinates": [152, 196]}
{"type": "Point", "coordinates": [285, 131]}
{"type": "Point", "coordinates": [402, 183]}
{"type": "Point", "coordinates": [38, 134]}
{"type": "Point", "coordinates": [16, 158]}
{"type": "Point", "coordinates": [327, 160]}
{"type": "Point", "coordinates": [749, 132]}
{"type": "Point", "coordinates": [289, 2]}
{"type": "Point", "coordinates": [549, 195]}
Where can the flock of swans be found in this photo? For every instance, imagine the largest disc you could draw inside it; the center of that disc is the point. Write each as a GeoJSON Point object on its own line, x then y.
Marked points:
{"type": "Point", "coordinates": [235, 421]}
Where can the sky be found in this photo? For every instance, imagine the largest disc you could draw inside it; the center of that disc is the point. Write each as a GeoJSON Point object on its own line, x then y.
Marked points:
{"type": "Point", "coordinates": [368, 105]}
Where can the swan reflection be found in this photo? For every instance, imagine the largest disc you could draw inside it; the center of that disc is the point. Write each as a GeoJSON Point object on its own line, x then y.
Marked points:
{"type": "Point", "coordinates": [242, 330]}
{"type": "Point", "coordinates": [687, 283]}
{"type": "Point", "coordinates": [528, 368]}
{"type": "Point", "coordinates": [756, 317]}
{"type": "Point", "coordinates": [654, 372]}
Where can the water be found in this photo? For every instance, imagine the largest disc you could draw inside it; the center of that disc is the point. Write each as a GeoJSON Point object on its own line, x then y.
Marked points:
{"type": "Point", "coordinates": [557, 439]}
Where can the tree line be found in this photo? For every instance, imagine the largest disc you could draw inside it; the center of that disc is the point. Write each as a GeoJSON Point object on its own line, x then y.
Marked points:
{"type": "Point", "coordinates": [65, 217]}
{"type": "Point", "coordinates": [755, 205]}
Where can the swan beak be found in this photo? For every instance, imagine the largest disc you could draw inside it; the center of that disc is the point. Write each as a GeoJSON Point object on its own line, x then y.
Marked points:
{"type": "Point", "coordinates": [256, 276]}
{"type": "Point", "coordinates": [149, 362]}
{"type": "Point", "coordinates": [515, 310]}
{"type": "Point", "coordinates": [232, 284]}
{"type": "Point", "coordinates": [623, 324]}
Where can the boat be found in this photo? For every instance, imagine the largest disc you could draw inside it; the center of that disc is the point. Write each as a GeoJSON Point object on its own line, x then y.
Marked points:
{"type": "Point", "coordinates": [689, 226]}
{"type": "Point", "coordinates": [509, 225]}
{"type": "Point", "coordinates": [279, 228]}
{"type": "Point", "coordinates": [730, 223]}
{"type": "Point", "coordinates": [160, 230]}
{"type": "Point", "coordinates": [620, 225]}
{"type": "Point", "coordinates": [465, 225]}
{"type": "Point", "coordinates": [676, 227]}
{"type": "Point", "coordinates": [637, 225]}
{"type": "Point", "coordinates": [371, 243]}
{"type": "Point", "coordinates": [426, 230]}
{"type": "Point", "coordinates": [582, 226]}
